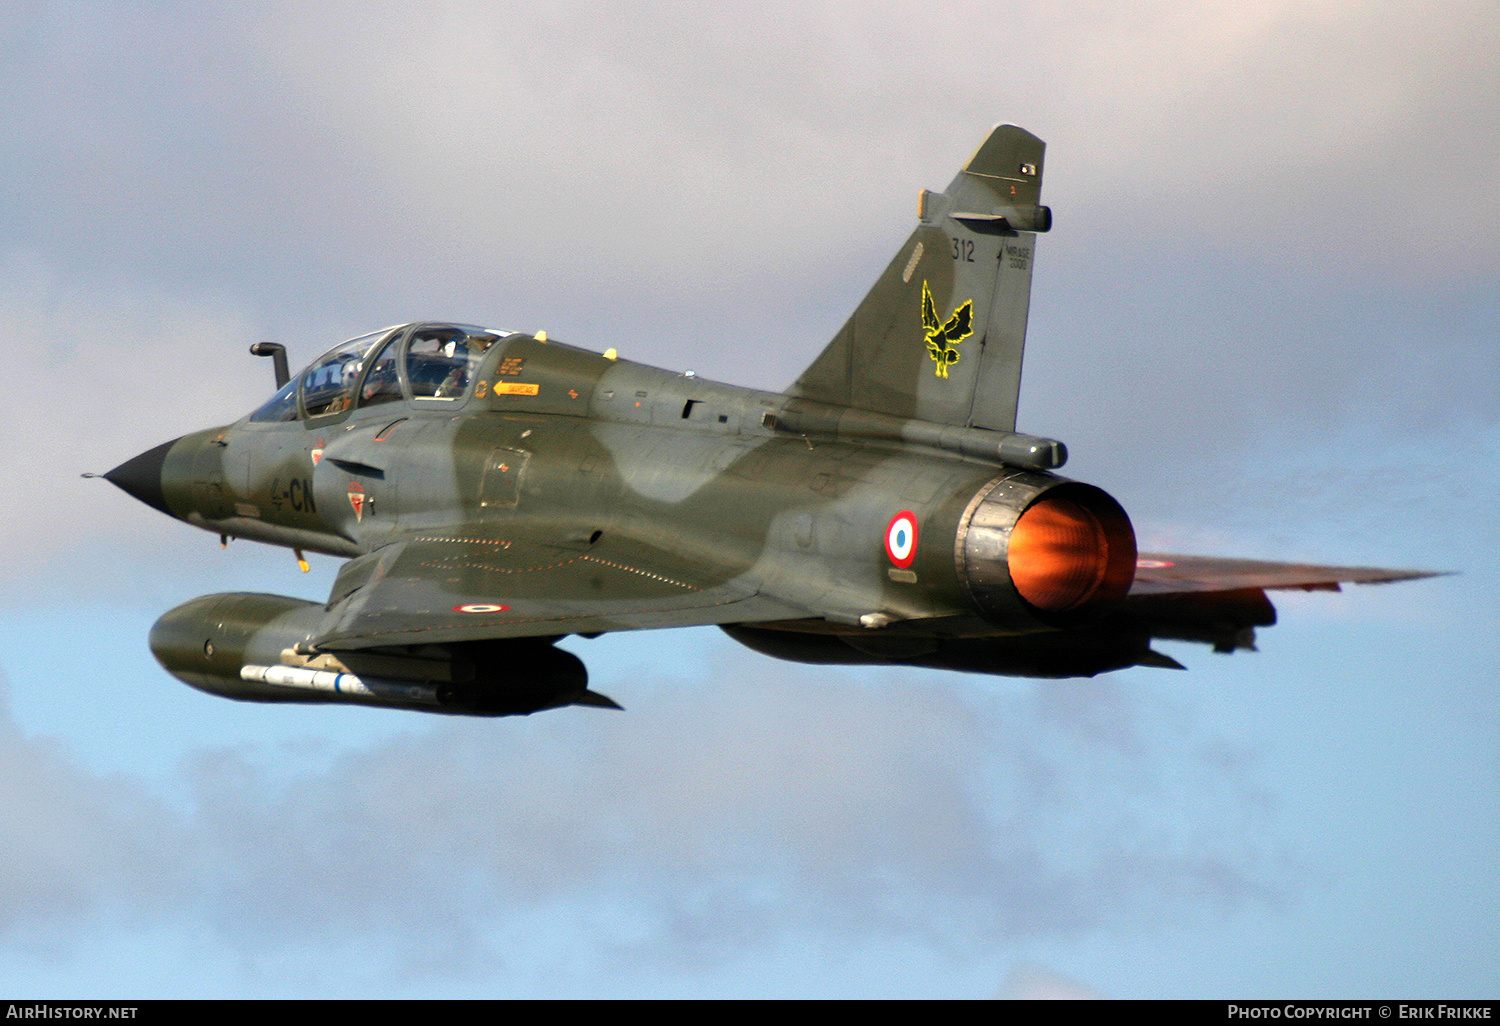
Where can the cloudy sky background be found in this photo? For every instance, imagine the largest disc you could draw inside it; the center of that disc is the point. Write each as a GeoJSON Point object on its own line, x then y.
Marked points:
{"type": "Point", "coordinates": [1266, 320]}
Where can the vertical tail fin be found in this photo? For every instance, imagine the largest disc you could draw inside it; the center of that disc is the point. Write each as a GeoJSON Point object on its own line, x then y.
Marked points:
{"type": "Point", "coordinates": [941, 335]}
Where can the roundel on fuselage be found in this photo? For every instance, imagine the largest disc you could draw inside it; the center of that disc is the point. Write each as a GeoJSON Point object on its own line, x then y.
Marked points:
{"type": "Point", "coordinates": [901, 538]}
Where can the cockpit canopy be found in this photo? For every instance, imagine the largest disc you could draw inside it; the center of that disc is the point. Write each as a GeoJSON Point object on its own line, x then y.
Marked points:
{"type": "Point", "coordinates": [425, 362]}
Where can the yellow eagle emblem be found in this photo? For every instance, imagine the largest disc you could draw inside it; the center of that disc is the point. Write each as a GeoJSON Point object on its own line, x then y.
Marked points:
{"type": "Point", "coordinates": [942, 336]}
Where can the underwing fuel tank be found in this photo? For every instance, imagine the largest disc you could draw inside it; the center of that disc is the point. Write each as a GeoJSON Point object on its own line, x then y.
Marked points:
{"type": "Point", "coordinates": [253, 647]}
{"type": "Point", "coordinates": [1037, 547]}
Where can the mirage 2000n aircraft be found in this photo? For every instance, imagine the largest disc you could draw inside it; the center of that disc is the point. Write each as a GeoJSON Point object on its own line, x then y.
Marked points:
{"type": "Point", "coordinates": [496, 491]}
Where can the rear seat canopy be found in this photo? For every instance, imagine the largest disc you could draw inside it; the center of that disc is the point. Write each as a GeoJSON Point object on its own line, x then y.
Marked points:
{"type": "Point", "coordinates": [441, 360]}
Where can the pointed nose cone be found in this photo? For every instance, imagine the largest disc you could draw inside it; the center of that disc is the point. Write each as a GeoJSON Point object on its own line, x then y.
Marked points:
{"type": "Point", "coordinates": [141, 476]}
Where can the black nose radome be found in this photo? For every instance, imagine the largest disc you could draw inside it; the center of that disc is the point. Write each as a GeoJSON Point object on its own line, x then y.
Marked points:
{"type": "Point", "coordinates": [141, 476]}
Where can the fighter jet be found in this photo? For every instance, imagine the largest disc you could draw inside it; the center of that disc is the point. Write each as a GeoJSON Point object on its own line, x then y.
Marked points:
{"type": "Point", "coordinates": [496, 491]}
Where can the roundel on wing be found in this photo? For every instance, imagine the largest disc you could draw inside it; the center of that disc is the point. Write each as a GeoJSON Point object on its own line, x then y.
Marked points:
{"type": "Point", "coordinates": [481, 607]}
{"type": "Point", "coordinates": [901, 538]}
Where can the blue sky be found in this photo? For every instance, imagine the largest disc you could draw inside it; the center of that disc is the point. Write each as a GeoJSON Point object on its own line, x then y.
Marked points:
{"type": "Point", "coordinates": [1266, 320]}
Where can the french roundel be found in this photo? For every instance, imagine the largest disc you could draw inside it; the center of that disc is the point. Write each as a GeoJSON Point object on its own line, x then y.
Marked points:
{"type": "Point", "coordinates": [901, 538]}
{"type": "Point", "coordinates": [481, 607]}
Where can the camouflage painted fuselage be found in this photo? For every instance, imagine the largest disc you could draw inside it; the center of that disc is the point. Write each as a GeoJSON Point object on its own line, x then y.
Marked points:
{"type": "Point", "coordinates": [643, 486]}
{"type": "Point", "coordinates": [497, 491]}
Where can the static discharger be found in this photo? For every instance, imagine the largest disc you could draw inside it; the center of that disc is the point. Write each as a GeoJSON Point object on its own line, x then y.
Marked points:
{"type": "Point", "coordinates": [301, 561]}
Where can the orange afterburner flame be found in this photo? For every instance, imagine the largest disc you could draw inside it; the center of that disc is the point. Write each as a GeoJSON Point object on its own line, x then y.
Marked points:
{"type": "Point", "coordinates": [1059, 556]}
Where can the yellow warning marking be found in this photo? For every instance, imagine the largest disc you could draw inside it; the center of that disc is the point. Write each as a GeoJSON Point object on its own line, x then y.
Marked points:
{"type": "Point", "coordinates": [916, 257]}
{"type": "Point", "coordinates": [515, 388]}
{"type": "Point", "coordinates": [469, 541]}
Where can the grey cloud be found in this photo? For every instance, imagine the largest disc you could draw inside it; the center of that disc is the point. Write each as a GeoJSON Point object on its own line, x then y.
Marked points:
{"type": "Point", "coordinates": [74, 846]}
{"type": "Point", "coordinates": [1031, 982]}
{"type": "Point", "coordinates": [716, 818]}
{"type": "Point", "coordinates": [690, 186]}
{"type": "Point", "coordinates": [785, 129]}
{"type": "Point", "coordinates": [97, 378]}
{"type": "Point", "coordinates": [723, 820]}
{"type": "Point", "coordinates": [1276, 108]}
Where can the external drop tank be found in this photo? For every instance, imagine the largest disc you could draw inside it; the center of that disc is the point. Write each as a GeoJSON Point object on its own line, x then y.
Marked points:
{"type": "Point", "coordinates": [253, 647]}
